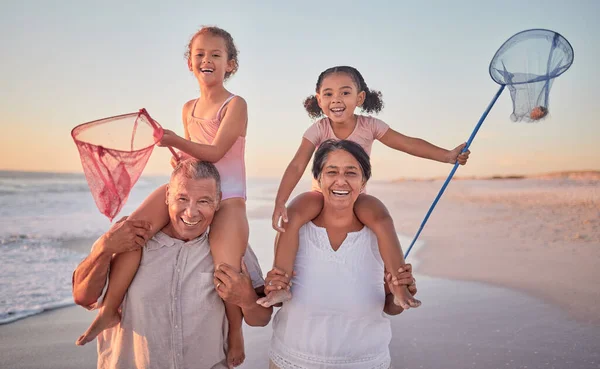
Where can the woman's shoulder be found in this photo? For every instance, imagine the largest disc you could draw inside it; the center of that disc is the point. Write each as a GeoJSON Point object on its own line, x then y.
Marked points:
{"type": "Point", "coordinates": [369, 238]}
{"type": "Point", "coordinates": [309, 227]}
{"type": "Point", "coordinates": [368, 233]}
{"type": "Point", "coordinates": [313, 232]}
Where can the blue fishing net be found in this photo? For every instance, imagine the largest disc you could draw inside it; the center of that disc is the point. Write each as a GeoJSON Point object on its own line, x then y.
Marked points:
{"type": "Point", "coordinates": [527, 64]}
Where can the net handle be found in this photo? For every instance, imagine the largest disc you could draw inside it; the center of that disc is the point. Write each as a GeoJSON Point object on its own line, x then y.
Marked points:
{"type": "Point", "coordinates": [439, 195]}
{"type": "Point", "coordinates": [144, 112]}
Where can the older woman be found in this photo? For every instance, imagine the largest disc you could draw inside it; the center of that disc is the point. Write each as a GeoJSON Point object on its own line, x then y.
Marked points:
{"type": "Point", "coordinates": [335, 319]}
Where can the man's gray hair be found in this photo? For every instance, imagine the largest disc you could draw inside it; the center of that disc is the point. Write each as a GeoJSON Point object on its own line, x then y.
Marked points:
{"type": "Point", "coordinates": [195, 169]}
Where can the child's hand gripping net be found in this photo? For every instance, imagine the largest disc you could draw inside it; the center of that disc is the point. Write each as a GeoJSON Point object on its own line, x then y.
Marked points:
{"type": "Point", "coordinates": [114, 152]}
{"type": "Point", "coordinates": [527, 63]}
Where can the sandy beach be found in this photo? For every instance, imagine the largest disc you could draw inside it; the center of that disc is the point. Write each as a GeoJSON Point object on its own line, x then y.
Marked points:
{"type": "Point", "coordinates": [508, 279]}
{"type": "Point", "coordinates": [538, 235]}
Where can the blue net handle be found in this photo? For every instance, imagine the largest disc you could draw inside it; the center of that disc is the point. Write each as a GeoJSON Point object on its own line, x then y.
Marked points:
{"type": "Point", "coordinates": [437, 198]}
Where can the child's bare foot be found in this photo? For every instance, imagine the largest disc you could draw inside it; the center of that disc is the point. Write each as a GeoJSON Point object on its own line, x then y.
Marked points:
{"type": "Point", "coordinates": [403, 298]}
{"type": "Point", "coordinates": [235, 352]}
{"type": "Point", "coordinates": [105, 319]}
{"type": "Point", "coordinates": [274, 298]}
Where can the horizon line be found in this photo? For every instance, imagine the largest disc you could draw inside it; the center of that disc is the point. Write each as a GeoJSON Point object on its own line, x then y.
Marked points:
{"type": "Point", "coordinates": [397, 179]}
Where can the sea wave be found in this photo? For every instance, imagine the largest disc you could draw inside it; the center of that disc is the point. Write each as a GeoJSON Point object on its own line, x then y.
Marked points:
{"type": "Point", "coordinates": [35, 275]}
{"type": "Point", "coordinates": [31, 182]}
{"type": "Point", "coordinates": [14, 315]}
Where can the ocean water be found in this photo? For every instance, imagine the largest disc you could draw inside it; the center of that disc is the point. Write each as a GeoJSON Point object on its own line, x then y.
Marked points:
{"type": "Point", "coordinates": [44, 218]}
{"type": "Point", "coordinates": [47, 221]}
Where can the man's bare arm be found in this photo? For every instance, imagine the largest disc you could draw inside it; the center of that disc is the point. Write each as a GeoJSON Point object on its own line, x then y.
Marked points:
{"type": "Point", "coordinates": [254, 314]}
{"type": "Point", "coordinates": [89, 278]}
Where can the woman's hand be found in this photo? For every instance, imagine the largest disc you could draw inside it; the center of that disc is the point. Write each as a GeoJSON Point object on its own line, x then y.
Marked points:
{"type": "Point", "coordinates": [277, 279]}
{"type": "Point", "coordinates": [404, 277]}
{"type": "Point", "coordinates": [277, 289]}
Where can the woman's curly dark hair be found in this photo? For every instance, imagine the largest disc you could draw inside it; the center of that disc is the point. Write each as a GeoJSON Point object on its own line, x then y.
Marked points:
{"type": "Point", "coordinates": [373, 99]}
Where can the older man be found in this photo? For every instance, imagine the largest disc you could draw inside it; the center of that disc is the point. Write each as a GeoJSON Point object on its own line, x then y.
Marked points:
{"type": "Point", "coordinates": [171, 316]}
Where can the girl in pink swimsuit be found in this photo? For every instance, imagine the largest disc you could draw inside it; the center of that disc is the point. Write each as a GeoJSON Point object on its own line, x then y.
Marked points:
{"type": "Point", "coordinates": [215, 130]}
{"type": "Point", "coordinates": [340, 90]}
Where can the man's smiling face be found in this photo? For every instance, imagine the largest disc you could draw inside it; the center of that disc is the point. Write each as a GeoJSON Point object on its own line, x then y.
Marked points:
{"type": "Point", "coordinates": [192, 205]}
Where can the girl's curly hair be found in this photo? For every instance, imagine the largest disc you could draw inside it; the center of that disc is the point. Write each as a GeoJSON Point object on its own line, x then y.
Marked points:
{"type": "Point", "coordinates": [373, 99]}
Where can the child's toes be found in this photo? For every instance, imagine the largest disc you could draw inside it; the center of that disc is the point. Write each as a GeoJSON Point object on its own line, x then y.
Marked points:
{"type": "Point", "coordinates": [402, 303]}
{"type": "Point", "coordinates": [414, 303]}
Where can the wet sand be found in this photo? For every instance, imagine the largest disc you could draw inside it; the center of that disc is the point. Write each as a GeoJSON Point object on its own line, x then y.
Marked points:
{"type": "Point", "coordinates": [460, 325]}
{"type": "Point", "coordinates": [515, 286]}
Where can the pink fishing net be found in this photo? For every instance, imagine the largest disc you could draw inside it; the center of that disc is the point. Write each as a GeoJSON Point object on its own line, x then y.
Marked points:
{"type": "Point", "coordinates": [114, 152]}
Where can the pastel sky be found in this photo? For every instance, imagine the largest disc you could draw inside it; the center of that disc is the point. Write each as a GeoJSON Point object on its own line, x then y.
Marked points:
{"type": "Point", "coordinates": [68, 62]}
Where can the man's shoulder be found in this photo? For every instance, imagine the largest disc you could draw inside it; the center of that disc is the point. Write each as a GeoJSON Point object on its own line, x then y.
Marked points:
{"type": "Point", "coordinates": [254, 269]}
{"type": "Point", "coordinates": [159, 240]}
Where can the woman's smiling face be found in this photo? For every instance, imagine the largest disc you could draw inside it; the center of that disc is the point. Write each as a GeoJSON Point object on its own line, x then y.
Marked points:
{"type": "Point", "coordinates": [341, 179]}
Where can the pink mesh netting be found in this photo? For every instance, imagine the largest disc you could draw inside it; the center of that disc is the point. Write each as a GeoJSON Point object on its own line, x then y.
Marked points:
{"type": "Point", "coordinates": [114, 152]}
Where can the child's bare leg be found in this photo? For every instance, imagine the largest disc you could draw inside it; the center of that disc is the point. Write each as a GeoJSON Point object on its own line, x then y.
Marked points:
{"type": "Point", "coordinates": [124, 266]}
{"type": "Point", "coordinates": [372, 213]}
{"type": "Point", "coordinates": [304, 208]}
{"type": "Point", "coordinates": [228, 239]}
{"type": "Point", "coordinates": [122, 270]}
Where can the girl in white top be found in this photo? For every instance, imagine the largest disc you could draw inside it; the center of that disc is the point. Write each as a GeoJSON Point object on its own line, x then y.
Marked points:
{"type": "Point", "coordinates": [325, 325]}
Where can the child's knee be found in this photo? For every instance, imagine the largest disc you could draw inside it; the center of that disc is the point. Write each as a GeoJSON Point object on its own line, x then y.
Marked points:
{"type": "Point", "coordinates": [370, 208]}
{"type": "Point", "coordinates": [383, 223]}
{"type": "Point", "coordinates": [304, 208]}
{"type": "Point", "coordinates": [295, 221]}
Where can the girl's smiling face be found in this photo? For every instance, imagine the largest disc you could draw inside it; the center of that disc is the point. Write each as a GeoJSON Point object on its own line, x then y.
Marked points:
{"type": "Point", "coordinates": [339, 97]}
{"type": "Point", "coordinates": [209, 59]}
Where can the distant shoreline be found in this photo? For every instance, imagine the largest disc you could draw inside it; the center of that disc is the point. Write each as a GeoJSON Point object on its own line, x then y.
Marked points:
{"type": "Point", "coordinates": [585, 175]}
{"type": "Point", "coordinates": [593, 175]}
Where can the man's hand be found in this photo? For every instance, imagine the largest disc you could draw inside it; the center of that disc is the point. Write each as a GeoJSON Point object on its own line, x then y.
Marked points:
{"type": "Point", "coordinates": [235, 287]}
{"type": "Point", "coordinates": [126, 235]}
{"type": "Point", "coordinates": [90, 276]}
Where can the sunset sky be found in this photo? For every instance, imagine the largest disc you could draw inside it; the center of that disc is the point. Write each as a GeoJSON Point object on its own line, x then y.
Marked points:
{"type": "Point", "coordinates": [67, 62]}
